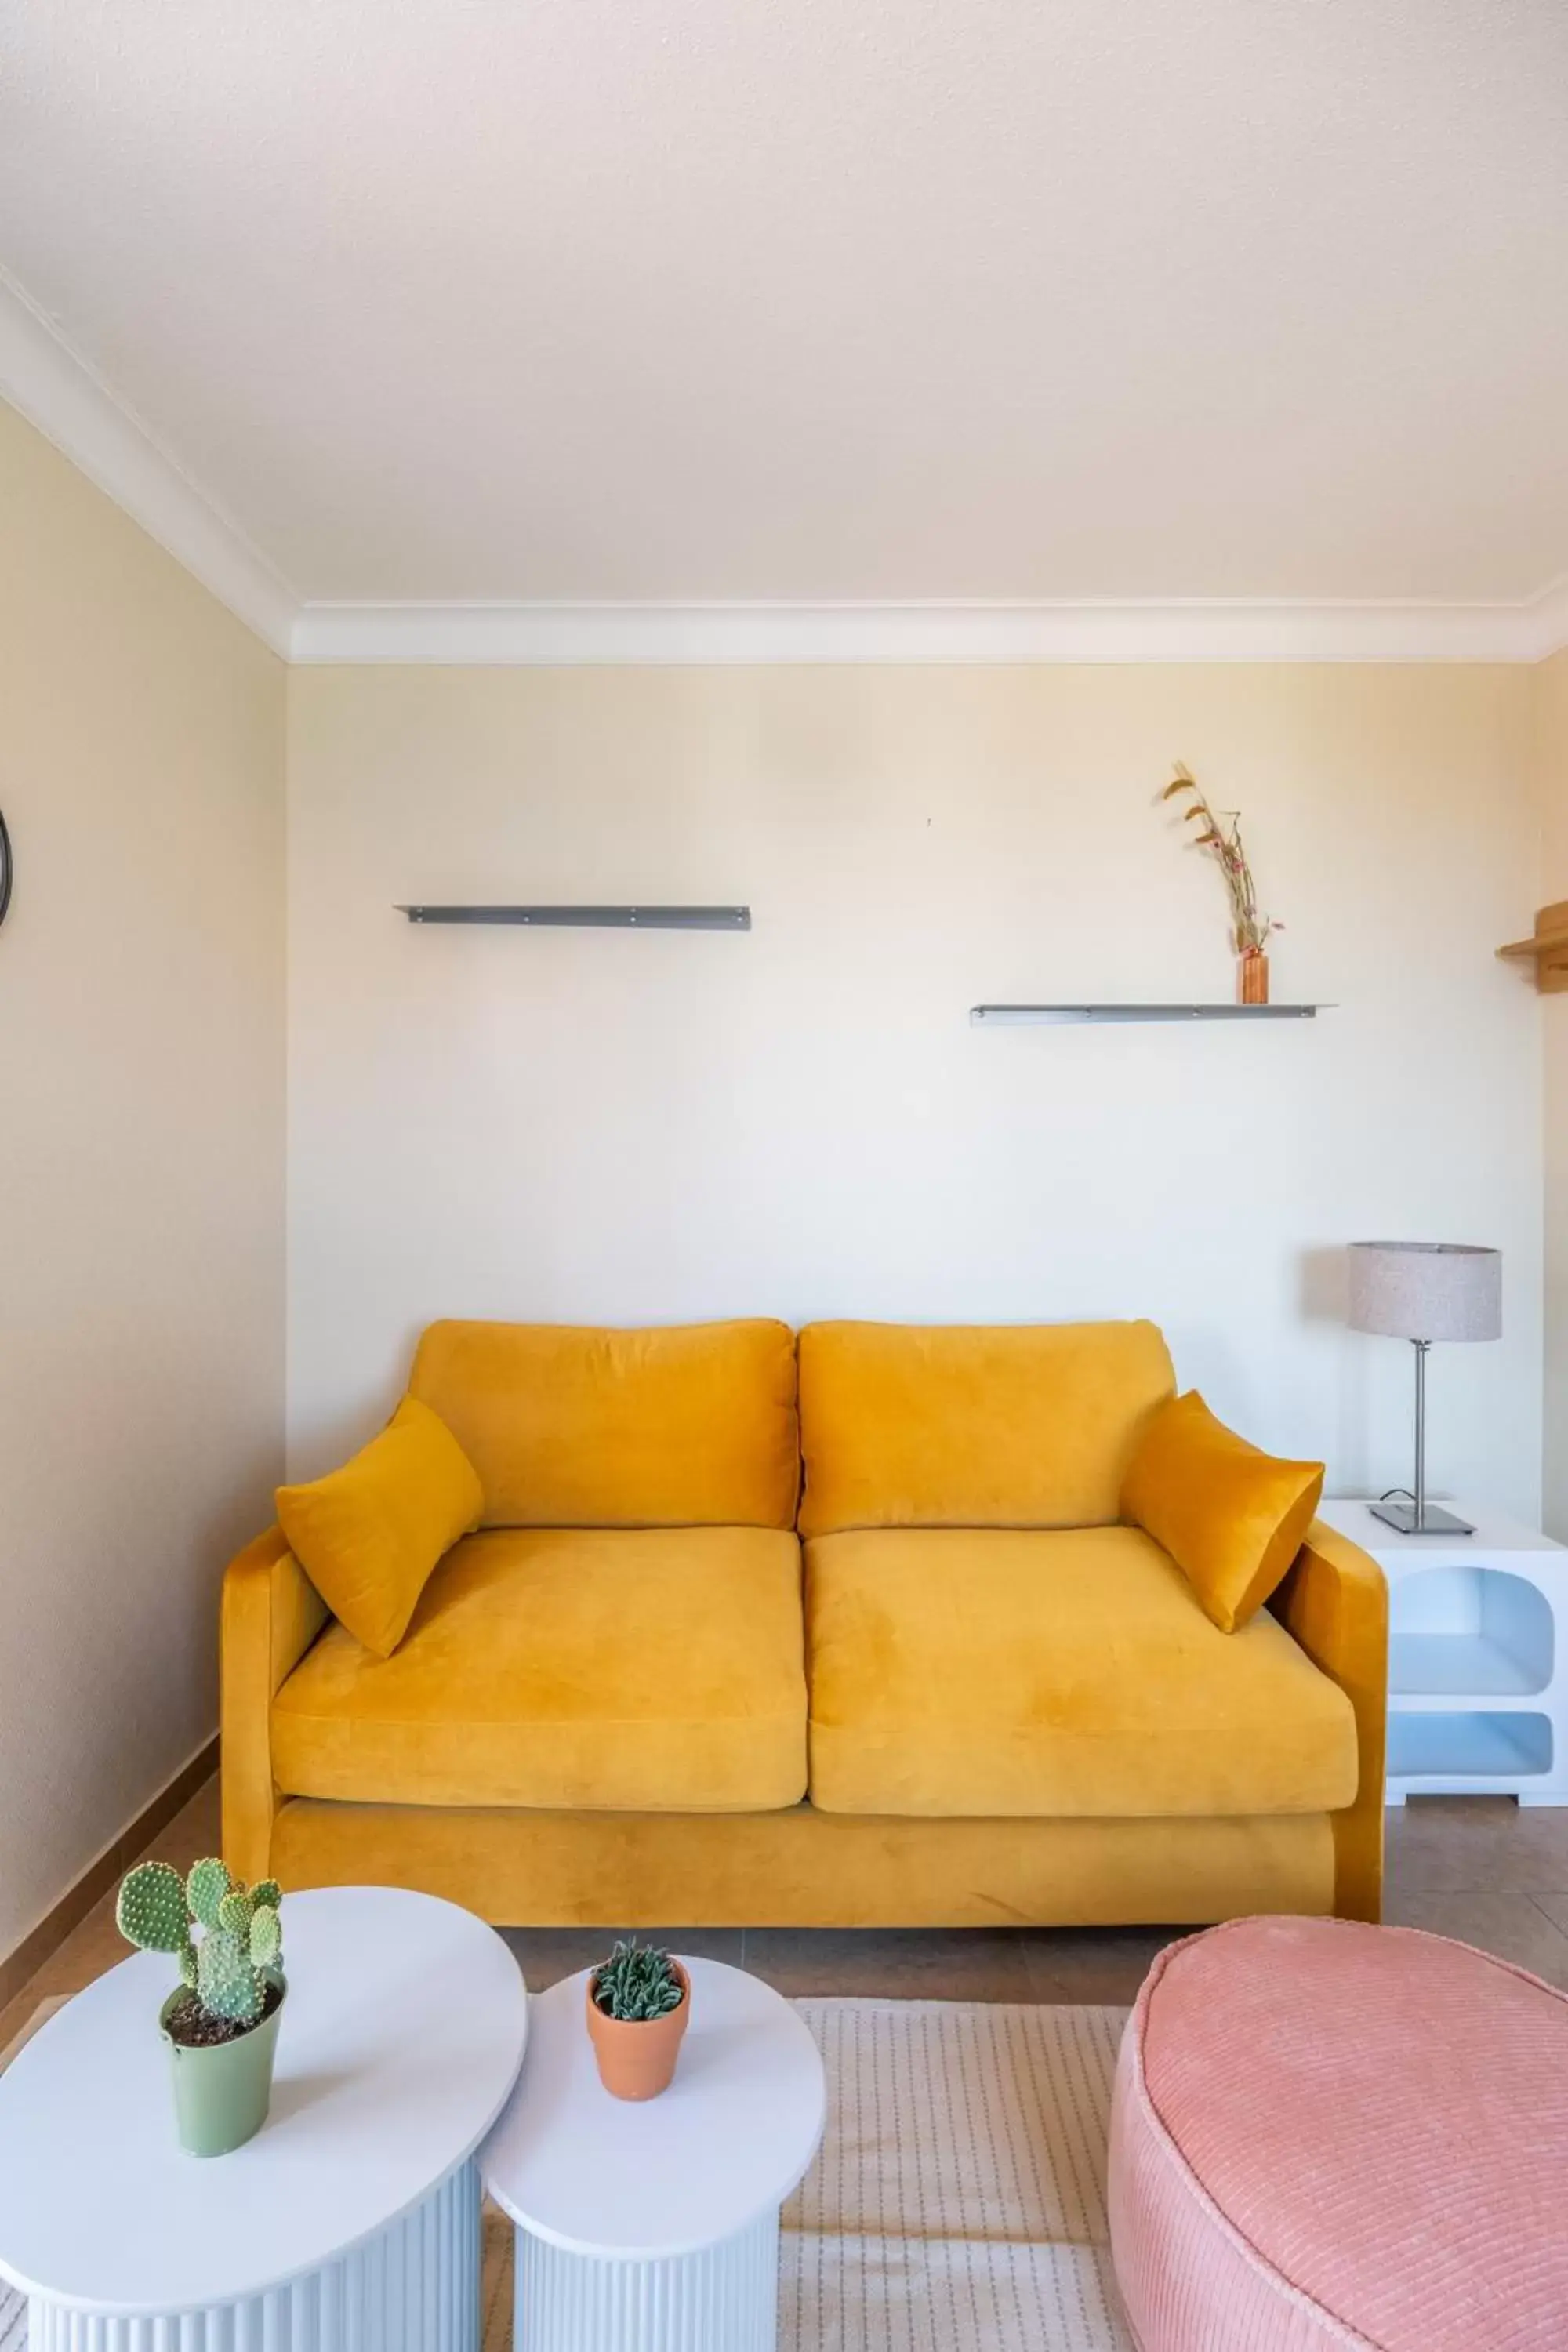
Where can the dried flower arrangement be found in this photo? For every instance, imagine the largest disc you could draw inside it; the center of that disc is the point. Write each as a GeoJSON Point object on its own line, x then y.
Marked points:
{"type": "Point", "coordinates": [1249, 930]}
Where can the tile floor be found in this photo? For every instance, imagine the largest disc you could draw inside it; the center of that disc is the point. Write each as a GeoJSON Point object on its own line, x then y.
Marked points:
{"type": "Point", "coordinates": [1476, 1867]}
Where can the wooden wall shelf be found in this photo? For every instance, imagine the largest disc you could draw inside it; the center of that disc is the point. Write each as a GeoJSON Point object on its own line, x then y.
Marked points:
{"type": "Point", "coordinates": [1546, 948]}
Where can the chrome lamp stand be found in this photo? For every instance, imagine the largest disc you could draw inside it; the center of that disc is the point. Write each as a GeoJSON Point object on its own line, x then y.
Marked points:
{"type": "Point", "coordinates": [1419, 1518]}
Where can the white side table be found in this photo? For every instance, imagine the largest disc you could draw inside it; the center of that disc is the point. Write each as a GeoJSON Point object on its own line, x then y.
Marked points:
{"type": "Point", "coordinates": [1477, 1682]}
{"type": "Point", "coordinates": [652, 2227]}
{"type": "Point", "coordinates": [350, 2224]}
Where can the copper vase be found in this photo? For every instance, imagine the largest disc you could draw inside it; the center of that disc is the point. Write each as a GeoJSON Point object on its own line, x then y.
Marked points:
{"type": "Point", "coordinates": [1253, 978]}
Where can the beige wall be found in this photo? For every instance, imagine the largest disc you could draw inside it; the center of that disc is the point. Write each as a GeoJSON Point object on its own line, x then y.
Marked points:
{"type": "Point", "coordinates": [636, 1127]}
{"type": "Point", "coordinates": [643, 1128]}
{"type": "Point", "coordinates": [140, 1157]}
{"type": "Point", "coordinates": [1550, 685]}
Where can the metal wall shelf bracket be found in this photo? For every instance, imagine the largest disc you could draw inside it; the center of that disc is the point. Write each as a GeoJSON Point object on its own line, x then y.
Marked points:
{"type": "Point", "coordinates": [1012, 1016]}
{"type": "Point", "coordinates": [602, 919]}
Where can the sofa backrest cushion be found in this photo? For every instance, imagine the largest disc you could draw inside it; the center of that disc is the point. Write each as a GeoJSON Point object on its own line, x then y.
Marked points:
{"type": "Point", "coordinates": [568, 1427]}
{"type": "Point", "coordinates": [995, 1426]}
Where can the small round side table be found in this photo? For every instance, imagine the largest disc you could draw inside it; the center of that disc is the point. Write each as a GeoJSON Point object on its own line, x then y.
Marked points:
{"type": "Point", "coordinates": [350, 2224]}
{"type": "Point", "coordinates": [645, 2228]}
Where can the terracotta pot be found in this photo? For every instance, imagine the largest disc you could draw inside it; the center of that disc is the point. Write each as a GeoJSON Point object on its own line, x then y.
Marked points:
{"type": "Point", "coordinates": [1253, 978]}
{"type": "Point", "coordinates": [638, 2059]}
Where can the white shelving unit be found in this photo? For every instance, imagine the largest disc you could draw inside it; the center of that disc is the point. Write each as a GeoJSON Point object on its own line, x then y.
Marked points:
{"type": "Point", "coordinates": [1477, 1682]}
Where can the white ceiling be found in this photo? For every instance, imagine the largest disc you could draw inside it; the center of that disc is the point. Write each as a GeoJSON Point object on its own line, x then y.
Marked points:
{"type": "Point", "coordinates": [822, 300]}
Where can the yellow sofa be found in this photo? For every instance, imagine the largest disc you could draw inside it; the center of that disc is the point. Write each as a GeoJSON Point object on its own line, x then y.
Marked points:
{"type": "Point", "coordinates": [662, 1684]}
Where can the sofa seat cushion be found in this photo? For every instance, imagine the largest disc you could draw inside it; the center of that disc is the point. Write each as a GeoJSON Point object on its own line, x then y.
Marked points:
{"type": "Point", "coordinates": [636, 1670]}
{"type": "Point", "coordinates": [994, 1671]}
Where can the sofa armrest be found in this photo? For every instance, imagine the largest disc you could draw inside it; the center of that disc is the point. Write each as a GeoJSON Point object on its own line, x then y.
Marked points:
{"type": "Point", "coordinates": [271, 1614]}
{"type": "Point", "coordinates": [1334, 1604]}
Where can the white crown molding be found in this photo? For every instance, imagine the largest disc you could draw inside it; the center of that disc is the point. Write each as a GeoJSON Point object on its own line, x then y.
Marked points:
{"type": "Point", "coordinates": [53, 386]}
{"type": "Point", "coordinates": [553, 634]}
{"type": "Point", "coordinates": [43, 376]}
{"type": "Point", "coordinates": [1547, 619]}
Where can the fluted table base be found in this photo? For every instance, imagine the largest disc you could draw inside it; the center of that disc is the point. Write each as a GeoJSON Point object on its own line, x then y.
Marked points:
{"type": "Point", "coordinates": [414, 2287]}
{"type": "Point", "coordinates": [723, 2298]}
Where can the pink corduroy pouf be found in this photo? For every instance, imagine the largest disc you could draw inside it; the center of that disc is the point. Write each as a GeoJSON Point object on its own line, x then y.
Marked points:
{"type": "Point", "coordinates": [1325, 2133]}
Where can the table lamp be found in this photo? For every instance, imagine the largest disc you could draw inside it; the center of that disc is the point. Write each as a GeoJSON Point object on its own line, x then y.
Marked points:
{"type": "Point", "coordinates": [1422, 1291]}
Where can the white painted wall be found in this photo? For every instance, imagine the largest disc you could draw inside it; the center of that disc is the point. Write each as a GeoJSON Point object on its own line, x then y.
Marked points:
{"type": "Point", "coordinates": [646, 1127]}
{"type": "Point", "coordinates": [140, 1158]}
{"type": "Point", "coordinates": [603, 1127]}
{"type": "Point", "coordinates": [1549, 735]}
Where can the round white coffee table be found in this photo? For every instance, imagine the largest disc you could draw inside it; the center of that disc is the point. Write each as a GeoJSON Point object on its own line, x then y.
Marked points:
{"type": "Point", "coordinates": [656, 2226]}
{"type": "Point", "coordinates": [350, 2224]}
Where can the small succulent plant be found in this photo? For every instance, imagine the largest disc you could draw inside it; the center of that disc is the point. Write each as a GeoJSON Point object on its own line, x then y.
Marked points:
{"type": "Point", "coordinates": [241, 1949]}
{"type": "Point", "coordinates": [637, 1983]}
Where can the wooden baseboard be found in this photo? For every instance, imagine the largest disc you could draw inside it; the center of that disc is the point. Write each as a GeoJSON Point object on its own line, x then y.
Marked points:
{"type": "Point", "coordinates": [99, 1876]}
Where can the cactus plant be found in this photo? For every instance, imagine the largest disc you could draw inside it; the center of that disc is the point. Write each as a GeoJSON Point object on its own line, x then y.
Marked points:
{"type": "Point", "coordinates": [152, 1910]}
{"type": "Point", "coordinates": [266, 1936]}
{"type": "Point", "coordinates": [240, 1951]}
{"type": "Point", "coordinates": [637, 1983]}
{"type": "Point", "coordinates": [205, 1887]}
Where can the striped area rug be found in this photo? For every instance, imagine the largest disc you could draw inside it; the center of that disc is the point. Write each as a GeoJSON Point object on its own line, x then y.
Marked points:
{"type": "Point", "coordinates": [958, 2204]}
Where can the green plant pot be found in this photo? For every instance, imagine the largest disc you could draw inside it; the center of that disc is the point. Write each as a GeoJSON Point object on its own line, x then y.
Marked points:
{"type": "Point", "coordinates": [221, 2094]}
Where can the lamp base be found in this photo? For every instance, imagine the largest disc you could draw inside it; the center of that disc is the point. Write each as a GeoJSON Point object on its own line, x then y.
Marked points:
{"type": "Point", "coordinates": [1432, 1522]}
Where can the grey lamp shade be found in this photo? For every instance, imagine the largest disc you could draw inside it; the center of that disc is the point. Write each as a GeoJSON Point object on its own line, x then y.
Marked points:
{"type": "Point", "coordinates": [1426, 1290]}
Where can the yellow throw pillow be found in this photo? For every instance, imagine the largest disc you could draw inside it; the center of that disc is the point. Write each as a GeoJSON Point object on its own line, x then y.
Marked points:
{"type": "Point", "coordinates": [1232, 1519]}
{"type": "Point", "coordinates": [368, 1535]}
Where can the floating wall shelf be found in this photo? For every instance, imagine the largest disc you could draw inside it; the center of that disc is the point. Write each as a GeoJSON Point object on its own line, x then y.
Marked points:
{"type": "Point", "coordinates": [600, 919]}
{"type": "Point", "coordinates": [1012, 1016]}
{"type": "Point", "coordinates": [1546, 949]}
